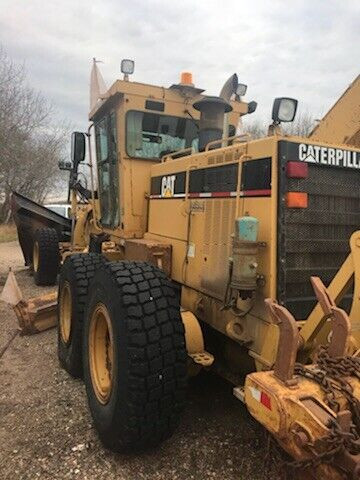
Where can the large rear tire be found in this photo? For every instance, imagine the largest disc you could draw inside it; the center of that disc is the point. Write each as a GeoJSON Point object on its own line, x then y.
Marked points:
{"type": "Point", "coordinates": [46, 256]}
{"type": "Point", "coordinates": [134, 356]}
{"type": "Point", "coordinates": [75, 276]}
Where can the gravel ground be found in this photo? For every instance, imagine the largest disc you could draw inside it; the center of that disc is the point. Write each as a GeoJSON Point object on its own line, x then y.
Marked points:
{"type": "Point", "coordinates": [46, 430]}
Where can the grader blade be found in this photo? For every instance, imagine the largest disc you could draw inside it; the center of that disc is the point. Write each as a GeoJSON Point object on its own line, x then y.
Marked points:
{"type": "Point", "coordinates": [34, 315]}
{"type": "Point", "coordinates": [313, 411]}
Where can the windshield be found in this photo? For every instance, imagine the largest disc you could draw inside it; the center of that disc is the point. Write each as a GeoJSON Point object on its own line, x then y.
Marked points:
{"type": "Point", "coordinates": [150, 135]}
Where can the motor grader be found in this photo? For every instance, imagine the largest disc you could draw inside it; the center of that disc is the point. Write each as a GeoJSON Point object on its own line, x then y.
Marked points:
{"type": "Point", "coordinates": [192, 248]}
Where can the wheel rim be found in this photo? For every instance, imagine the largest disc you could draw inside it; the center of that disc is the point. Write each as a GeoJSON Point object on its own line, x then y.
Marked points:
{"type": "Point", "coordinates": [101, 352]}
{"type": "Point", "coordinates": [65, 312]}
{"type": "Point", "coordinates": [36, 257]}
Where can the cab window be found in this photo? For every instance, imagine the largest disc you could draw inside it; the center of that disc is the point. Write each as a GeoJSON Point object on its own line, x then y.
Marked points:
{"type": "Point", "coordinates": [150, 135]}
{"type": "Point", "coordinates": [108, 182]}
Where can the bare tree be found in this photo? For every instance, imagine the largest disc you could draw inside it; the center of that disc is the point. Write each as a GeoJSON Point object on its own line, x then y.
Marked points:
{"type": "Point", "coordinates": [302, 126]}
{"type": "Point", "coordinates": [30, 146]}
{"type": "Point", "coordinates": [256, 128]}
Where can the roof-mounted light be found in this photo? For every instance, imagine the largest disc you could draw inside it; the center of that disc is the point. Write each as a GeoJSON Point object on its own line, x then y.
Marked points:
{"type": "Point", "coordinates": [127, 68]}
{"type": "Point", "coordinates": [252, 106]}
{"type": "Point", "coordinates": [186, 78]}
{"type": "Point", "coordinates": [284, 109]}
{"type": "Point", "coordinates": [241, 89]}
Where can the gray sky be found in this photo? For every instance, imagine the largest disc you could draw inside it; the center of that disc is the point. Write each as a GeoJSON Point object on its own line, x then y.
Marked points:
{"type": "Point", "coordinates": [308, 49]}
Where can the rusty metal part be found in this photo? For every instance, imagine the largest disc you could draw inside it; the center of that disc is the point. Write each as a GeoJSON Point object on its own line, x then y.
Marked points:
{"type": "Point", "coordinates": [324, 298]}
{"type": "Point", "coordinates": [341, 445]}
{"type": "Point", "coordinates": [340, 323]}
{"type": "Point", "coordinates": [304, 426]}
{"type": "Point", "coordinates": [34, 315]}
{"type": "Point", "coordinates": [316, 329]}
{"type": "Point", "coordinates": [317, 422]}
{"type": "Point", "coordinates": [341, 328]}
{"type": "Point", "coordinates": [37, 314]}
{"type": "Point", "coordinates": [288, 342]}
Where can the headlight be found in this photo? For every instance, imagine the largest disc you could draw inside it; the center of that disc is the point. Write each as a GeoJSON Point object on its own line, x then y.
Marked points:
{"type": "Point", "coordinates": [284, 109]}
{"type": "Point", "coordinates": [127, 66]}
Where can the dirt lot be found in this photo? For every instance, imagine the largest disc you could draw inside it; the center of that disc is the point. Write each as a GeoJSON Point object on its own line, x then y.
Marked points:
{"type": "Point", "coordinates": [46, 430]}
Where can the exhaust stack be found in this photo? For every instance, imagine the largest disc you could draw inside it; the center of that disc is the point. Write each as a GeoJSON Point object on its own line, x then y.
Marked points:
{"type": "Point", "coordinates": [229, 88]}
{"type": "Point", "coordinates": [212, 111]}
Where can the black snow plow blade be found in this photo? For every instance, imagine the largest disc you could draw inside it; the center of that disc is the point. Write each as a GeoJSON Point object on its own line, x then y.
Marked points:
{"type": "Point", "coordinates": [29, 216]}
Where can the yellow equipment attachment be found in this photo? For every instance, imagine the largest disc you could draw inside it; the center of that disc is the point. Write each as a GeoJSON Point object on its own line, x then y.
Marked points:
{"type": "Point", "coordinates": [34, 315]}
{"type": "Point", "coordinates": [341, 124]}
{"type": "Point", "coordinates": [312, 411]}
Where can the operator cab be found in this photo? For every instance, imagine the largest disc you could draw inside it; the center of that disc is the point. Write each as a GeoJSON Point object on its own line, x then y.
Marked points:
{"type": "Point", "coordinates": [135, 125]}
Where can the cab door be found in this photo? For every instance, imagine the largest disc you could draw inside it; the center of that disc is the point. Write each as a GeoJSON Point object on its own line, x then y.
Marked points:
{"type": "Point", "coordinates": [107, 167]}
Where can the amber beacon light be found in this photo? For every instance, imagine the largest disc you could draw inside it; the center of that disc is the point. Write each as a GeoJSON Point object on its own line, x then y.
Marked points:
{"type": "Point", "coordinates": [186, 78]}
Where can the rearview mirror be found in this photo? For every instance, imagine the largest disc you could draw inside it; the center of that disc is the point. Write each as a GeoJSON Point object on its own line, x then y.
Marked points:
{"type": "Point", "coordinates": [65, 165]}
{"type": "Point", "coordinates": [77, 148]}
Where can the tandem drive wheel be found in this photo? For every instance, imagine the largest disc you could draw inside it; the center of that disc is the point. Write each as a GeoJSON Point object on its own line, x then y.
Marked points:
{"type": "Point", "coordinates": [75, 277]}
{"type": "Point", "coordinates": [134, 355]}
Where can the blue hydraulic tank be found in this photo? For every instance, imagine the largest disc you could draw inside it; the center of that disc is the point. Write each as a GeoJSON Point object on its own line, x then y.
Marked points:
{"type": "Point", "coordinates": [247, 228]}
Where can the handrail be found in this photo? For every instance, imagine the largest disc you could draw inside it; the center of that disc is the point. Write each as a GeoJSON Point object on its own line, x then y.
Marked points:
{"type": "Point", "coordinates": [220, 140]}
{"type": "Point", "coordinates": [171, 155]}
{"type": "Point", "coordinates": [92, 177]}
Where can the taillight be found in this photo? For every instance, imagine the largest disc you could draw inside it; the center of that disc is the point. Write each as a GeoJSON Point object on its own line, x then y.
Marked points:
{"type": "Point", "coordinates": [296, 199]}
{"type": "Point", "coordinates": [297, 170]}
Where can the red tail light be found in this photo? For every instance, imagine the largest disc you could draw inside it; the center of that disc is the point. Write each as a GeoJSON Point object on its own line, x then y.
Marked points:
{"type": "Point", "coordinates": [297, 170]}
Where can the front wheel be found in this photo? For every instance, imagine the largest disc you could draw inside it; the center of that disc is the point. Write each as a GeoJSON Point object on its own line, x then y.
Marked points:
{"type": "Point", "coordinates": [134, 355]}
{"type": "Point", "coordinates": [46, 256]}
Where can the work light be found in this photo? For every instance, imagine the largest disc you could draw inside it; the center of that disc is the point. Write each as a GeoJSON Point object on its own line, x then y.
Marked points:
{"type": "Point", "coordinates": [127, 66]}
{"type": "Point", "coordinates": [284, 109]}
{"type": "Point", "coordinates": [241, 89]}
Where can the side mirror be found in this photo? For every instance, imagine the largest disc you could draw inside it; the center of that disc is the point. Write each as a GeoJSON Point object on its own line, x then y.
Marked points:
{"type": "Point", "coordinates": [65, 165]}
{"type": "Point", "coordinates": [77, 148]}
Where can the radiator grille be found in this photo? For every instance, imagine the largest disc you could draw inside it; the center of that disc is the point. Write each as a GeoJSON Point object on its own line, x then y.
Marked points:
{"type": "Point", "coordinates": [315, 240]}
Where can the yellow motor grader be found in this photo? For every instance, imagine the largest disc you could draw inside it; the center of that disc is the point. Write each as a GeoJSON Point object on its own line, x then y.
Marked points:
{"type": "Point", "coordinates": [192, 247]}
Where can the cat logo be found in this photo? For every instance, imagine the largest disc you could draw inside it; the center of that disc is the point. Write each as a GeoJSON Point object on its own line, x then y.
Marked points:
{"type": "Point", "coordinates": [168, 186]}
{"type": "Point", "coordinates": [329, 156]}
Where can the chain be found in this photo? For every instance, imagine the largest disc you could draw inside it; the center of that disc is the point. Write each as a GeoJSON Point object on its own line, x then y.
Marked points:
{"type": "Point", "coordinates": [330, 373]}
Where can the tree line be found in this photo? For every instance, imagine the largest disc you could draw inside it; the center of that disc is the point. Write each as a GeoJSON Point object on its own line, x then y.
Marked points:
{"type": "Point", "coordinates": [30, 142]}
{"type": "Point", "coordinates": [302, 126]}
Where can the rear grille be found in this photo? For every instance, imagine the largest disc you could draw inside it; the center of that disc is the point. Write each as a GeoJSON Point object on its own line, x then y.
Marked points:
{"type": "Point", "coordinates": [315, 240]}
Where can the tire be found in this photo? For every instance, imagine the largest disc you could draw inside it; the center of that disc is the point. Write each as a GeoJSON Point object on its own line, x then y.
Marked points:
{"type": "Point", "coordinates": [75, 276]}
{"type": "Point", "coordinates": [140, 401]}
{"type": "Point", "coordinates": [46, 257]}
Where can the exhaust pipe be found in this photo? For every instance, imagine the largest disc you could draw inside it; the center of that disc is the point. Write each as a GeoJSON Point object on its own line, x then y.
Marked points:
{"type": "Point", "coordinates": [229, 87]}
{"type": "Point", "coordinates": [228, 90]}
{"type": "Point", "coordinates": [212, 111]}
{"type": "Point", "coordinates": [213, 114]}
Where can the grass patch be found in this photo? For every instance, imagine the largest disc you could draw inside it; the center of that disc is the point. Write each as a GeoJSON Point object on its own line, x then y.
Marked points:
{"type": "Point", "coordinates": [8, 233]}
